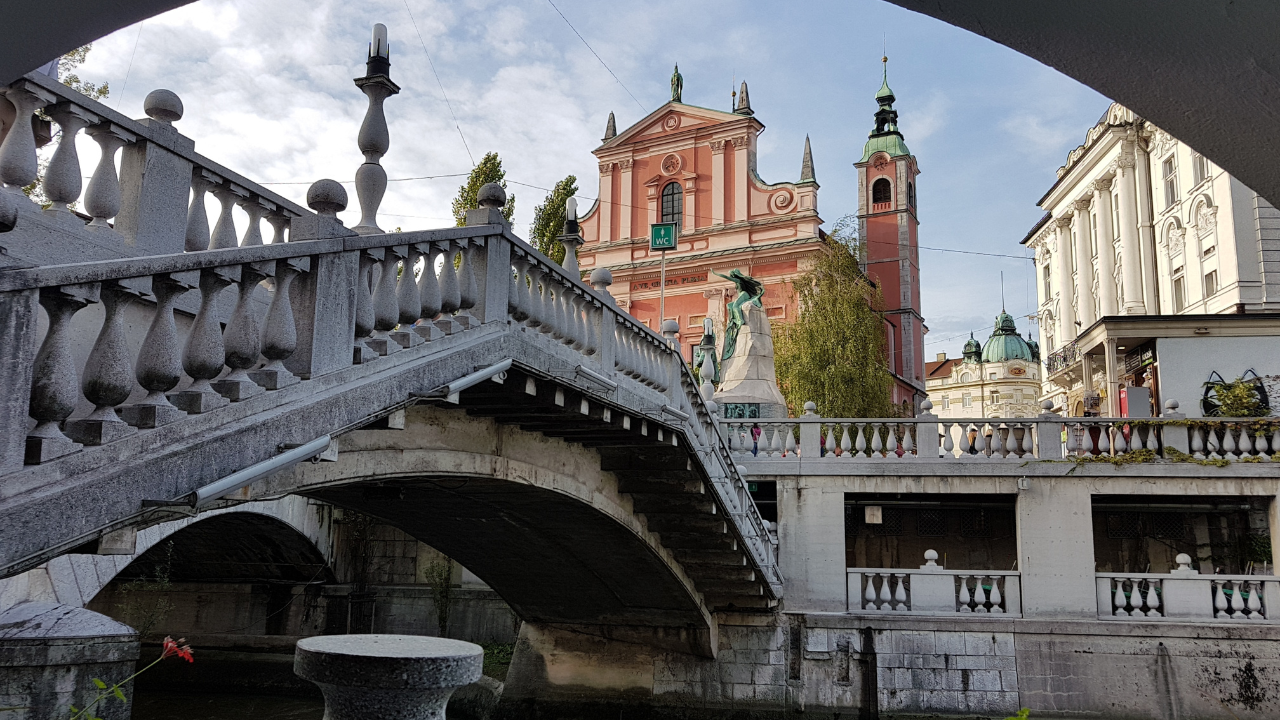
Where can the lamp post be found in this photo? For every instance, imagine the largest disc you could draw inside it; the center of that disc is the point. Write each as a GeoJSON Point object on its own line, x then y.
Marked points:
{"type": "Point", "coordinates": [571, 238]}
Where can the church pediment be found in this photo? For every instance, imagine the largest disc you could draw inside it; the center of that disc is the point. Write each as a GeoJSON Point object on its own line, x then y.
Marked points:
{"type": "Point", "coordinates": [670, 119]}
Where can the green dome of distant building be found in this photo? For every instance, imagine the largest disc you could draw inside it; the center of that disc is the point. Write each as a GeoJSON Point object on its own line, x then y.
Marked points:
{"type": "Point", "coordinates": [972, 350]}
{"type": "Point", "coordinates": [1005, 343]}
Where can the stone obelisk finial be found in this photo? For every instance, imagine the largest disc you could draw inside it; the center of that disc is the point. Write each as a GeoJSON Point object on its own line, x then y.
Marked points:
{"type": "Point", "coordinates": [374, 140]}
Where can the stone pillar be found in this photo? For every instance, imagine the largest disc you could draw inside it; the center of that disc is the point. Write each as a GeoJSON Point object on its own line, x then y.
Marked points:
{"type": "Point", "coordinates": [154, 181]}
{"type": "Point", "coordinates": [1146, 231]}
{"type": "Point", "coordinates": [741, 177]}
{"type": "Point", "coordinates": [1106, 248]}
{"type": "Point", "coordinates": [606, 202]}
{"type": "Point", "coordinates": [50, 655]}
{"type": "Point", "coordinates": [1062, 278]}
{"type": "Point", "coordinates": [1055, 549]}
{"type": "Point", "coordinates": [811, 545]}
{"type": "Point", "coordinates": [408, 677]}
{"type": "Point", "coordinates": [18, 315]}
{"type": "Point", "coordinates": [626, 204]}
{"type": "Point", "coordinates": [717, 182]}
{"type": "Point", "coordinates": [1273, 521]}
{"type": "Point", "coordinates": [1113, 380]}
{"type": "Point", "coordinates": [324, 297]}
{"type": "Point", "coordinates": [1084, 265]}
{"type": "Point", "coordinates": [1130, 261]}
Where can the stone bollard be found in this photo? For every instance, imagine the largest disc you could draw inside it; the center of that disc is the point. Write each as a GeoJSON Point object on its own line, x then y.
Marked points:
{"type": "Point", "coordinates": [406, 677]}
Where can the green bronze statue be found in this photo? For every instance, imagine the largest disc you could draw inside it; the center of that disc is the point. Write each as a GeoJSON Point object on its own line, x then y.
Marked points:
{"type": "Point", "coordinates": [750, 290]}
{"type": "Point", "coordinates": [677, 85]}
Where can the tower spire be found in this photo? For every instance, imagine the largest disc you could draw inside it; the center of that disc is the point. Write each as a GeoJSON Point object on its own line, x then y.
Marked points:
{"type": "Point", "coordinates": [610, 129]}
{"type": "Point", "coordinates": [744, 102]}
{"type": "Point", "coordinates": [806, 163]}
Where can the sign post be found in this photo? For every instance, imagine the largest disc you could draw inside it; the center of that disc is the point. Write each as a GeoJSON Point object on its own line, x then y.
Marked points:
{"type": "Point", "coordinates": [662, 237]}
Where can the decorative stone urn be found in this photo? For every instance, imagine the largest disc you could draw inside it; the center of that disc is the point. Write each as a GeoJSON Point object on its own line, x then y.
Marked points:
{"type": "Point", "coordinates": [387, 677]}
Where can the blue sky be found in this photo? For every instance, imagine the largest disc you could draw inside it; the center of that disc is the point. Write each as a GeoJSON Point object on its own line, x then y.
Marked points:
{"type": "Point", "coordinates": [267, 89]}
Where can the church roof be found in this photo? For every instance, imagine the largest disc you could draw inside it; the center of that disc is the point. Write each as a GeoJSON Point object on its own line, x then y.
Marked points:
{"type": "Point", "coordinates": [885, 137]}
{"type": "Point", "coordinates": [1005, 343]}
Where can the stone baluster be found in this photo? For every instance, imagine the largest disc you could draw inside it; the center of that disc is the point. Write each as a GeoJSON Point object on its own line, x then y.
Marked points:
{"type": "Point", "coordinates": [592, 317]}
{"type": "Point", "coordinates": [1073, 435]}
{"type": "Point", "coordinates": [18, 164]}
{"type": "Point", "coordinates": [108, 374]}
{"type": "Point", "coordinates": [468, 292]}
{"type": "Point", "coordinates": [1011, 440]}
{"type": "Point", "coordinates": [374, 138]}
{"type": "Point", "coordinates": [450, 292]}
{"type": "Point", "coordinates": [1254, 604]}
{"type": "Point", "coordinates": [255, 208]}
{"type": "Point", "coordinates": [1197, 446]}
{"type": "Point", "coordinates": [561, 318]}
{"type": "Point", "coordinates": [204, 355]}
{"type": "Point", "coordinates": [547, 310]}
{"type": "Point", "coordinates": [876, 445]}
{"type": "Point", "coordinates": [846, 444]}
{"type": "Point", "coordinates": [242, 339]}
{"type": "Point", "coordinates": [408, 299]}
{"type": "Point", "coordinates": [279, 223]}
{"type": "Point", "coordinates": [1228, 441]}
{"type": "Point", "coordinates": [386, 305]}
{"type": "Point", "coordinates": [224, 230]}
{"type": "Point", "coordinates": [1212, 444]}
{"type": "Point", "coordinates": [1104, 440]}
{"type": "Point", "coordinates": [279, 333]}
{"type": "Point", "coordinates": [1219, 599]}
{"type": "Point", "coordinates": [429, 291]}
{"type": "Point", "coordinates": [997, 600]}
{"type": "Point", "coordinates": [518, 297]}
{"type": "Point", "coordinates": [886, 592]}
{"type": "Point", "coordinates": [535, 306]}
{"type": "Point", "coordinates": [980, 441]}
{"type": "Point", "coordinates": [869, 595]}
{"type": "Point", "coordinates": [159, 366]}
{"type": "Point", "coordinates": [197, 236]}
{"type": "Point", "coordinates": [1237, 599]}
{"type": "Point", "coordinates": [948, 443]}
{"type": "Point", "coordinates": [1275, 443]}
{"type": "Point", "coordinates": [790, 448]}
{"type": "Point", "coordinates": [1153, 600]}
{"type": "Point", "coordinates": [860, 439]}
{"type": "Point", "coordinates": [979, 595]}
{"type": "Point", "coordinates": [963, 599]}
{"type": "Point", "coordinates": [908, 442]}
{"type": "Point", "coordinates": [63, 179]}
{"type": "Point", "coordinates": [55, 385]}
{"type": "Point", "coordinates": [829, 442]}
{"type": "Point", "coordinates": [365, 317]}
{"type": "Point", "coordinates": [1120, 446]}
{"type": "Point", "coordinates": [900, 594]}
{"type": "Point", "coordinates": [102, 199]}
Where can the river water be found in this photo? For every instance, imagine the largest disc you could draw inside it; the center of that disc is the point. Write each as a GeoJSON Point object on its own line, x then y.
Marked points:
{"type": "Point", "coordinates": [166, 705]}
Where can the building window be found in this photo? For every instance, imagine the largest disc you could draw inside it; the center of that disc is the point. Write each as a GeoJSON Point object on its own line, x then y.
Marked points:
{"type": "Point", "coordinates": [881, 191]}
{"type": "Point", "coordinates": [967, 400]}
{"type": "Point", "coordinates": [1093, 235]}
{"type": "Point", "coordinates": [1048, 282]}
{"type": "Point", "coordinates": [911, 194]}
{"type": "Point", "coordinates": [995, 396]}
{"type": "Point", "coordinates": [672, 203]}
{"type": "Point", "coordinates": [964, 377]}
{"type": "Point", "coordinates": [946, 402]}
{"type": "Point", "coordinates": [992, 376]}
{"type": "Point", "coordinates": [1169, 169]}
{"type": "Point", "coordinates": [1179, 295]}
{"type": "Point", "coordinates": [1199, 167]}
{"type": "Point", "coordinates": [1210, 283]}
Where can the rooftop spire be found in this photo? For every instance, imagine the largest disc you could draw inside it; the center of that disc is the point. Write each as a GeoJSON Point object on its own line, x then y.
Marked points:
{"type": "Point", "coordinates": [610, 129]}
{"type": "Point", "coordinates": [806, 164]}
{"type": "Point", "coordinates": [885, 95]}
{"type": "Point", "coordinates": [744, 103]}
{"type": "Point", "coordinates": [885, 137]}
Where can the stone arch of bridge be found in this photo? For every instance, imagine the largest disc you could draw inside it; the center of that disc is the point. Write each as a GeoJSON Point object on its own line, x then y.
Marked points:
{"type": "Point", "coordinates": [534, 517]}
{"type": "Point", "coordinates": [290, 530]}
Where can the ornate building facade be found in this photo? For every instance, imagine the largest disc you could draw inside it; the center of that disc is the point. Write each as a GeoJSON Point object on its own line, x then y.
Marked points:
{"type": "Point", "coordinates": [696, 167]}
{"type": "Point", "coordinates": [1145, 242]}
{"type": "Point", "coordinates": [998, 379]}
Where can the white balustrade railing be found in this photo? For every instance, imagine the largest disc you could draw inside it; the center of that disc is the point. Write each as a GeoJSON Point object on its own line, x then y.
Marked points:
{"type": "Point", "coordinates": [934, 590]}
{"type": "Point", "coordinates": [1184, 594]}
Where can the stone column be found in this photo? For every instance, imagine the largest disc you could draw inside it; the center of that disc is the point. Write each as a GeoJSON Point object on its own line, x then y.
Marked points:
{"type": "Point", "coordinates": [626, 203]}
{"type": "Point", "coordinates": [1106, 248]}
{"type": "Point", "coordinates": [1273, 520]}
{"type": "Point", "coordinates": [1130, 260]}
{"type": "Point", "coordinates": [1084, 265]}
{"type": "Point", "coordinates": [606, 202]}
{"type": "Point", "coordinates": [1146, 231]}
{"type": "Point", "coordinates": [408, 677]}
{"type": "Point", "coordinates": [717, 182]}
{"type": "Point", "coordinates": [1113, 380]}
{"type": "Point", "coordinates": [1055, 549]}
{"type": "Point", "coordinates": [811, 545]}
{"type": "Point", "coordinates": [741, 177]}
{"type": "Point", "coordinates": [18, 317]}
{"type": "Point", "coordinates": [1066, 287]}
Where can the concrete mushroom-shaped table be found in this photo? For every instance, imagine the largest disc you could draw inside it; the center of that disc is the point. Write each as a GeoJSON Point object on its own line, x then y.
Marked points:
{"type": "Point", "coordinates": [388, 677]}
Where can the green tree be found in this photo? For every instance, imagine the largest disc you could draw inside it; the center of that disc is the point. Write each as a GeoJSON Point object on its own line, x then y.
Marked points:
{"type": "Point", "coordinates": [548, 219]}
{"type": "Point", "coordinates": [489, 170]}
{"type": "Point", "coordinates": [66, 75]}
{"type": "Point", "coordinates": [834, 354]}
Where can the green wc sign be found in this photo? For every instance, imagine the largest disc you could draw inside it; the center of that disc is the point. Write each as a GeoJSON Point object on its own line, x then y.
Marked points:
{"type": "Point", "coordinates": [662, 236]}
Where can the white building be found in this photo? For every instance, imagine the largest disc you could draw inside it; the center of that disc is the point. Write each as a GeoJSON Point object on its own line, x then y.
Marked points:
{"type": "Point", "coordinates": [998, 379]}
{"type": "Point", "coordinates": [1155, 269]}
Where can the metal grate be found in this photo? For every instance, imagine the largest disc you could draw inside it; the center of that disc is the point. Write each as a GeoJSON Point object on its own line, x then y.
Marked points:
{"type": "Point", "coordinates": [891, 525]}
{"type": "Point", "coordinates": [1123, 525]}
{"type": "Point", "coordinates": [1169, 525]}
{"type": "Point", "coordinates": [975, 524]}
{"type": "Point", "coordinates": [931, 523]}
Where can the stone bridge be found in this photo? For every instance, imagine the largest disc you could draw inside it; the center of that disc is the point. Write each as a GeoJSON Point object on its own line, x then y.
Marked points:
{"type": "Point", "coordinates": [541, 436]}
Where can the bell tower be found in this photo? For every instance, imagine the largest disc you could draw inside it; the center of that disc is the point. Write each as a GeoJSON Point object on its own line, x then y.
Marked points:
{"type": "Point", "coordinates": [888, 226]}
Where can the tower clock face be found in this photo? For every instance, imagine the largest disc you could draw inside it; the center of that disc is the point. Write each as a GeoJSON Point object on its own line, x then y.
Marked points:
{"type": "Point", "coordinates": [881, 163]}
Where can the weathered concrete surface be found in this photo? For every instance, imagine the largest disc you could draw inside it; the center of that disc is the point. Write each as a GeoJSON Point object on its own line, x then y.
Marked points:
{"type": "Point", "coordinates": [50, 655]}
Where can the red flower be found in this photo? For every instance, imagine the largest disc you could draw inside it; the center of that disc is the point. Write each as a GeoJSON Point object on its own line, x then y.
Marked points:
{"type": "Point", "coordinates": [171, 648]}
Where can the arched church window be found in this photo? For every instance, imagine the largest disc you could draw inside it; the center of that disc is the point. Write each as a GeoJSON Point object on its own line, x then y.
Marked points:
{"type": "Point", "coordinates": [881, 191]}
{"type": "Point", "coordinates": [672, 203]}
{"type": "Point", "coordinates": [911, 194]}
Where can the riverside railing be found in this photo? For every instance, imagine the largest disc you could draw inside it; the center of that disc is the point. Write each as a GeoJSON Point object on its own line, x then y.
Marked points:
{"type": "Point", "coordinates": [1184, 594]}
{"type": "Point", "coordinates": [934, 590]}
{"type": "Point", "coordinates": [928, 437]}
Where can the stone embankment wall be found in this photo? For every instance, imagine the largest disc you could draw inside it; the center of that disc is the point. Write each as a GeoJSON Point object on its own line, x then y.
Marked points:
{"type": "Point", "coordinates": [830, 665]}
